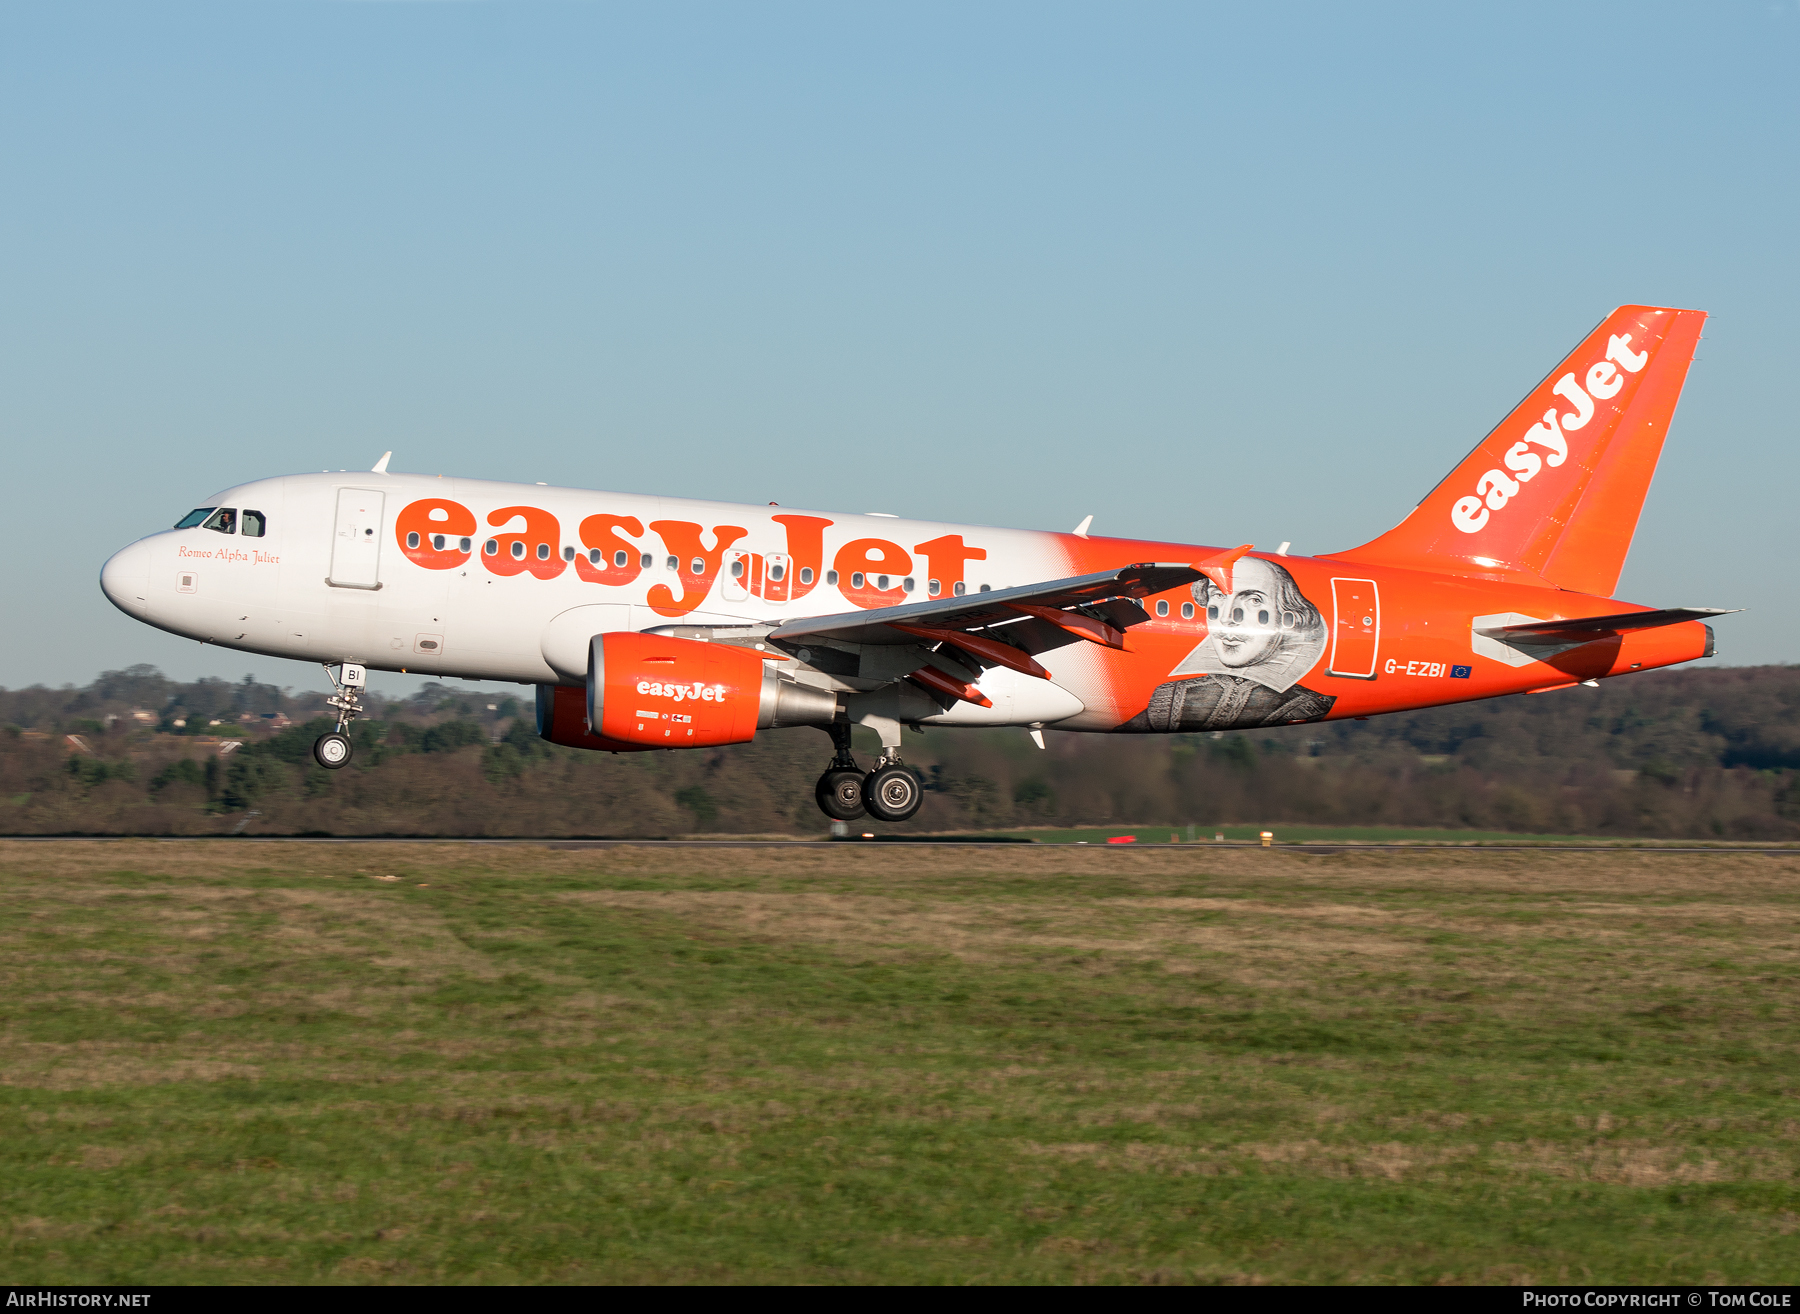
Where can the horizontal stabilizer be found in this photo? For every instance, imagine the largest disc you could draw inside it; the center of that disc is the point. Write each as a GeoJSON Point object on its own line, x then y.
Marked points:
{"type": "Point", "coordinates": [1584, 629]}
{"type": "Point", "coordinates": [887, 625]}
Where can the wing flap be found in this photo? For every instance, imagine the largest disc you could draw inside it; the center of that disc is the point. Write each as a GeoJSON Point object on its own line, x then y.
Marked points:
{"type": "Point", "coordinates": [974, 611]}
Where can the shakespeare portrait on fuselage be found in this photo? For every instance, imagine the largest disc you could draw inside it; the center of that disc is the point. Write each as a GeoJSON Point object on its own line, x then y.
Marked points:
{"type": "Point", "coordinates": [659, 623]}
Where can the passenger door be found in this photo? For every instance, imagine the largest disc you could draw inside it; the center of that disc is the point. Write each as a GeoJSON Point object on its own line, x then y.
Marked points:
{"type": "Point", "coordinates": [1355, 628]}
{"type": "Point", "coordinates": [356, 540]}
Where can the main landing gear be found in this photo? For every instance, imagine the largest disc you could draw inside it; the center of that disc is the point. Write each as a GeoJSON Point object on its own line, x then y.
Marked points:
{"type": "Point", "coordinates": [839, 790]}
{"type": "Point", "coordinates": [888, 793]}
{"type": "Point", "coordinates": [332, 750]}
{"type": "Point", "coordinates": [891, 792]}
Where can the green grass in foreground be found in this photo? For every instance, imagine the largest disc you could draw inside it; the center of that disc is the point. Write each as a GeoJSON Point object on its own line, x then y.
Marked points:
{"type": "Point", "coordinates": [887, 1065]}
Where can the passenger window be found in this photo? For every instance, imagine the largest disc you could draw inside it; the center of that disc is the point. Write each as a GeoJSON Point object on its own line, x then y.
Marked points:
{"type": "Point", "coordinates": [491, 547]}
{"type": "Point", "coordinates": [543, 552]}
{"type": "Point", "coordinates": [737, 568]}
{"type": "Point", "coordinates": [437, 542]}
{"type": "Point", "coordinates": [1262, 618]}
{"type": "Point", "coordinates": [697, 566]}
{"type": "Point", "coordinates": [518, 550]}
{"type": "Point", "coordinates": [907, 584]}
{"type": "Point", "coordinates": [253, 525]}
{"type": "Point", "coordinates": [856, 579]}
{"type": "Point", "coordinates": [412, 539]}
{"type": "Point", "coordinates": [984, 588]}
{"type": "Point", "coordinates": [224, 520]}
{"type": "Point", "coordinates": [778, 572]}
{"type": "Point", "coordinates": [961, 588]}
{"type": "Point", "coordinates": [1187, 611]}
{"type": "Point", "coordinates": [646, 561]}
{"type": "Point", "coordinates": [195, 517]}
{"type": "Point", "coordinates": [464, 545]}
{"type": "Point", "coordinates": [673, 564]}
{"type": "Point", "coordinates": [619, 558]}
{"type": "Point", "coordinates": [932, 587]}
{"type": "Point", "coordinates": [1162, 606]}
{"type": "Point", "coordinates": [881, 582]}
{"type": "Point", "coordinates": [831, 577]}
{"type": "Point", "coordinates": [806, 574]}
{"type": "Point", "coordinates": [1212, 612]}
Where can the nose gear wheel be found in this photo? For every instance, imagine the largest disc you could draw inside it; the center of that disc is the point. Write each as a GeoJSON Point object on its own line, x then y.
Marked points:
{"type": "Point", "coordinates": [332, 751]}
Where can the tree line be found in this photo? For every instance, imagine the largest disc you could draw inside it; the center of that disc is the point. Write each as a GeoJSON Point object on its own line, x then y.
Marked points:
{"type": "Point", "coordinates": [1695, 753]}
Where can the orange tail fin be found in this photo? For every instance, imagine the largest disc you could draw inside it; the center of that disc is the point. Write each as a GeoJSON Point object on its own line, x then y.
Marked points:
{"type": "Point", "coordinates": [1552, 494]}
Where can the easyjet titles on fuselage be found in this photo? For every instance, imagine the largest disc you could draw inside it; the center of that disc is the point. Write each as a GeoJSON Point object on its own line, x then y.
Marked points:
{"type": "Point", "coordinates": [441, 534]}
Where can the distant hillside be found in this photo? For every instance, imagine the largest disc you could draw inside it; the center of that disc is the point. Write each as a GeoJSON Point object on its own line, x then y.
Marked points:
{"type": "Point", "coordinates": [1702, 753]}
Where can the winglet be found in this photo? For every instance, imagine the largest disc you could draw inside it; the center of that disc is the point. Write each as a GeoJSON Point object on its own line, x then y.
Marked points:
{"type": "Point", "coordinates": [1081, 530]}
{"type": "Point", "coordinates": [1217, 567]}
{"type": "Point", "coordinates": [380, 467]}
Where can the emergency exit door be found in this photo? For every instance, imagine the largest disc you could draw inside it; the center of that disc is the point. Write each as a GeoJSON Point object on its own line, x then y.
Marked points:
{"type": "Point", "coordinates": [1355, 628]}
{"type": "Point", "coordinates": [356, 540]}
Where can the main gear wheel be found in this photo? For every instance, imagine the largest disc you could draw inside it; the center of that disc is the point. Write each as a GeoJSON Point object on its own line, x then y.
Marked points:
{"type": "Point", "coordinates": [892, 793]}
{"type": "Point", "coordinates": [839, 792]}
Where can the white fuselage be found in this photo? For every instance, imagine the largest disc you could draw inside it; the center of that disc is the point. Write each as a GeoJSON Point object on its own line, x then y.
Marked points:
{"type": "Point", "coordinates": [332, 579]}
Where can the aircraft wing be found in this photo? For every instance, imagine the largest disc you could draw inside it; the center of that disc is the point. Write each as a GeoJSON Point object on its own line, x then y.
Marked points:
{"type": "Point", "coordinates": [975, 611]}
{"type": "Point", "coordinates": [1584, 629]}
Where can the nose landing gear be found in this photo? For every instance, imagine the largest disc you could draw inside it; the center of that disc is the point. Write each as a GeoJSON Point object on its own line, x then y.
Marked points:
{"type": "Point", "coordinates": [333, 750]}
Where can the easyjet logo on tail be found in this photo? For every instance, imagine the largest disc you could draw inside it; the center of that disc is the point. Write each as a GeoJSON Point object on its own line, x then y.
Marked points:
{"type": "Point", "coordinates": [1496, 488]}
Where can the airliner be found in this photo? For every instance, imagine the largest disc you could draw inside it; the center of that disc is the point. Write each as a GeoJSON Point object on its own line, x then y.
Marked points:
{"type": "Point", "coordinates": [650, 622]}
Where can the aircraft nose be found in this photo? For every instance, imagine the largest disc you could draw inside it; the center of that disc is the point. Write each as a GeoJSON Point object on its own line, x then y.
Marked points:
{"type": "Point", "coordinates": [125, 579]}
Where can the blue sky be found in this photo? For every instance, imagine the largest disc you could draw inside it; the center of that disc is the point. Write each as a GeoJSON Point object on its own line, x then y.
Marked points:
{"type": "Point", "coordinates": [1212, 274]}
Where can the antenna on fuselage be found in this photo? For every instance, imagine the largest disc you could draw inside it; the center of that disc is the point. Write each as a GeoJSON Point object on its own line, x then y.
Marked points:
{"type": "Point", "coordinates": [380, 467]}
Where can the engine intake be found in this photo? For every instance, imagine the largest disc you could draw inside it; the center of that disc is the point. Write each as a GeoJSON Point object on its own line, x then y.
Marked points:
{"type": "Point", "coordinates": [654, 691]}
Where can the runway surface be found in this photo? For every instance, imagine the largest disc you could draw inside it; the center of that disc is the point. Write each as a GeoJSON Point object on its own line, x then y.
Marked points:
{"type": "Point", "coordinates": [1203, 846]}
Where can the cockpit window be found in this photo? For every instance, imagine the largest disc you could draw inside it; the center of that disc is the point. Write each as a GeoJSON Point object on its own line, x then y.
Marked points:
{"type": "Point", "coordinates": [224, 520]}
{"type": "Point", "coordinates": [195, 516]}
{"type": "Point", "coordinates": [253, 525]}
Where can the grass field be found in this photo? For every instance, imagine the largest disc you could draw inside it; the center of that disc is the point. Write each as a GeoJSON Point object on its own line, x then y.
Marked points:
{"type": "Point", "coordinates": [444, 1063]}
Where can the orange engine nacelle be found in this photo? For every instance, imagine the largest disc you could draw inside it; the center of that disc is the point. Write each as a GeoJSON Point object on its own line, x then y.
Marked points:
{"type": "Point", "coordinates": [653, 691]}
